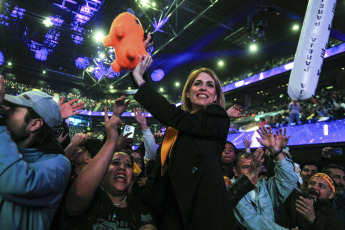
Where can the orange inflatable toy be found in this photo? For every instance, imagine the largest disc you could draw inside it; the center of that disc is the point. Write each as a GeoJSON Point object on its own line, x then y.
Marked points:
{"type": "Point", "coordinates": [126, 35]}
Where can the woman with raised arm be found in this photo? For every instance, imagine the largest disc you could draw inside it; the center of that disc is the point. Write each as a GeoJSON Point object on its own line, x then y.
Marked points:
{"type": "Point", "coordinates": [191, 193]}
{"type": "Point", "coordinates": [99, 199]}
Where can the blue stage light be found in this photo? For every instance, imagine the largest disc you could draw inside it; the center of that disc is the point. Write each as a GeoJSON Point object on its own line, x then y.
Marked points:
{"type": "Point", "coordinates": [82, 62]}
{"type": "Point", "coordinates": [157, 75]}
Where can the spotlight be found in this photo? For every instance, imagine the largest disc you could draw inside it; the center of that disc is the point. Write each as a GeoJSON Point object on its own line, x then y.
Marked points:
{"type": "Point", "coordinates": [253, 48]}
{"type": "Point", "coordinates": [177, 84]}
{"type": "Point", "coordinates": [47, 22]}
{"type": "Point", "coordinates": [101, 55]}
{"type": "Point", "coordinates": [111, 87]}
{"type": "Point", "coordinates": [161, 89]}
{"type": "Point", "coordinates": [9, 63]}
{"type": "Point", "coordinates": [221, 63]}
{"type": "Point", "coordinates": [44, 72]}
{"type": "Point", "coordinates": [99, 36]}
{"type": "Point", "coordinates": [295, 27]}
{"type": "Point", "coordinates": [145, 3]}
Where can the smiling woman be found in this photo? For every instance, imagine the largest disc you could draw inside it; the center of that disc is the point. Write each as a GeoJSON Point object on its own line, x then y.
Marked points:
{"type": "Point", "coordinates": [99, 197]}
{"type": "Point", "coordinates": [190, 185]}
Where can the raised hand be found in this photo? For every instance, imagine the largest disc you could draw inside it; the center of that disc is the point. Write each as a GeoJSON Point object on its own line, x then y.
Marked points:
{"type": "Point", "coordinates": [255, 164]}
{"type": "Point", "coordinates": [281, 139]}
{"type": "Point", "coordinates": [62, 137]}
{"type": "Point", "coordinates": [158, 137]}
{"type": "Point", "coordinates": [235, 111]}
{"type": "Point", "coordinates": [111, 126]}
{"type": "Point", "coordinates": [70, 108]}
{"type": "Point", "coordinates": [124, 142]}
{"type": "Point", "coordinates": [267, 137]}
{"type": "Point", "coordinates": [147, 42]}
{"type": "Point", "coordinates": [120, 106]}
{"type": "Point", "coordinates": [305, 206]}
{"type": "Point", "coordinates": [79, 138]}
{"type": "Point", "coordinates": [140, 69]}
{"type": "Point", "coordinates": [246, 142]}
{"type": "Point", "coordinates": [140, 118]}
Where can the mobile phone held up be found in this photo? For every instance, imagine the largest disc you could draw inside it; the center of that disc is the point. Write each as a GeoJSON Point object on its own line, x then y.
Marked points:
{"type": "Point", "coordinates": [129, 129]}
{"type": "Point", "coordinates": [334, 152]}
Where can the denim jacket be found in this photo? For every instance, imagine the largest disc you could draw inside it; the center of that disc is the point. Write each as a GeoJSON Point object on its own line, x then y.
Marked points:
{"type": "Point", "coordinates": [31, 185]}
{"type": "Point", "coordinates": [256, 209]}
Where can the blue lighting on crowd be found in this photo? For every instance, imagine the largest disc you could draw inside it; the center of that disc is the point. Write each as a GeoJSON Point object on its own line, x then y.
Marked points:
{"type": "Point", "coordinates": [82, 62]}
{"type": "Point", "coordinates": [2, 58]}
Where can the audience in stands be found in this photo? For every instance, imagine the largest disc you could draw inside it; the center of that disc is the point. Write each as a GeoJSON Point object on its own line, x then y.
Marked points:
{"type": "Point", "coordinates": [327, 104]}
{"type": "Point", "coordinates": [294, 108]}
{"type": "Point", "coordinates": [188, 191]}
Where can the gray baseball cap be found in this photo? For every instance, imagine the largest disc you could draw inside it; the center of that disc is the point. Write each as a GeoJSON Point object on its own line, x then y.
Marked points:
{"type": "Point", "coordinates": [41, 103]}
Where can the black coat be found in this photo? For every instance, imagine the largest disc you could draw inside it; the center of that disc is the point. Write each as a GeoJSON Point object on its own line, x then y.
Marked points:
{"type": "Point", "coordinates": [194, 169]}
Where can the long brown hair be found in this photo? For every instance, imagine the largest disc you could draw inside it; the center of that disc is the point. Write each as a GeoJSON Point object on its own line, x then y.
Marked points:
{"type": "Point", "coordinates": [187, 105]}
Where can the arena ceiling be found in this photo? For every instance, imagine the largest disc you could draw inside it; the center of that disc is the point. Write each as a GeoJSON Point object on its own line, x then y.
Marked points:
{"type": "Point", "coordinates": [189, 34]}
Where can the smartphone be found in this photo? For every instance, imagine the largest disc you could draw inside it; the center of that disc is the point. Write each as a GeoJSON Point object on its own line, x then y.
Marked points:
{"type": "Point", "coordinates": [129, 129]}
{"type": "Point", "coordinates": [334, 152]}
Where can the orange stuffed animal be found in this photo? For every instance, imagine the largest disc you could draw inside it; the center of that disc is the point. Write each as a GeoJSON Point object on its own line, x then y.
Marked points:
{"type": "Point", "coordinates": [126, 35]}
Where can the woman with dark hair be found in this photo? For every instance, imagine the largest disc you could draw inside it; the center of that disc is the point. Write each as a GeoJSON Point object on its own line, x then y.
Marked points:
{"type": "Point", "coordinates": [191, 193]}
{"type": "Point", "coordinates": [98, 198]}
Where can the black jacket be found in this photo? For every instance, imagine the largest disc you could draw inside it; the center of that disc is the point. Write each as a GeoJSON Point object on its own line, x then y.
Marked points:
{"type": "Point", "coordinates": [194, 172]}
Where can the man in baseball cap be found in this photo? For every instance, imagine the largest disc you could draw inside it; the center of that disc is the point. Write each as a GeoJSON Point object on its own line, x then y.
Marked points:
{"type": "Point", "coordinates": [33, 170]}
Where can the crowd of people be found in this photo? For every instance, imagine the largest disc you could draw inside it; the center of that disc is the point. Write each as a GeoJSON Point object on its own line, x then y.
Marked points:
{"type": "Point", "coordinates": [275, 62]}
{"type": "Point", "coordinates": [325, 105]}
{"type": "Point", "coordinates": [191, 179]}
